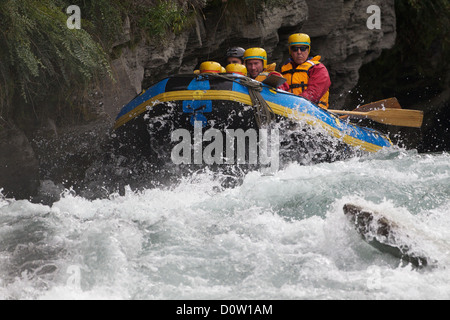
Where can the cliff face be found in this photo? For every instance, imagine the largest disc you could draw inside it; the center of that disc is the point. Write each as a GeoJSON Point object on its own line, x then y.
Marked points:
{"type": "Point", "coordinates": [338, 31]}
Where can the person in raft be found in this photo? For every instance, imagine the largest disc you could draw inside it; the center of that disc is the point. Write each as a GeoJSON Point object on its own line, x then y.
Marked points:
{"type": "Point", "coordinates": [255, 60]}
{"type": "Point", "coordinates": [236, 68]}
{"type": "Point", "coordinates": [210, 67]}
{"type": "Point", "coordinates": [306, 76]}
{"type": "Point", "coordinates": [234, 55]}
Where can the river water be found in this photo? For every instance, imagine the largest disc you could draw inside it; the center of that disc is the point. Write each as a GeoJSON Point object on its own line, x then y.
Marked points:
{"type": "Point", "coordinates": [280, 236]}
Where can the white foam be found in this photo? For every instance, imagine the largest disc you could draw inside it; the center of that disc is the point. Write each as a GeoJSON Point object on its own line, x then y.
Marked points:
{"type": "Point", "coordinates": [283, 236]}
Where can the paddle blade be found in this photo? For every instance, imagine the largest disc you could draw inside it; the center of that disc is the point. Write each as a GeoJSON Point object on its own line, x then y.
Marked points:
{"type": "Point", "coordinates": [397, 117]}
{"type": "Point", "coordinates": [394, 117]}
{"type": "Point", "coordinates": [389, 103]}
{"type": "Point", "coordinates": [274, 81]}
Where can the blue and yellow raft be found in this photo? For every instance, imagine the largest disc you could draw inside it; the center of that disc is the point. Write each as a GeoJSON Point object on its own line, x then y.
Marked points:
{"type": "Point", "coordinates": [225, 101]}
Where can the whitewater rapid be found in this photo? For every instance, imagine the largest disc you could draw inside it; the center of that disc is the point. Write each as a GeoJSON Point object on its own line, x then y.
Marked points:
{"type": "Point", "coordinates": [281, 236]}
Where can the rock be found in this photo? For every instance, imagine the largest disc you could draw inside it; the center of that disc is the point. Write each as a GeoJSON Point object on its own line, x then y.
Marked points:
{"type": "Point", "coordinates": [384, 234]}
{"type": "Point", "coordinates": [19, 167]}
{"type": "Point", "coordinates": [339, 33]}
{"type": "Point", "coordinates": [48, 192]}
{"type": "Point", "coordinates": [65, 159]}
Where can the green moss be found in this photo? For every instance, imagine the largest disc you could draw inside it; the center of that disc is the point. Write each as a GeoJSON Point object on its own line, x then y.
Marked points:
{"type": "Point", "coordinates": [163, 18]}
{"type": "Point", "coordinates": [41, 57]}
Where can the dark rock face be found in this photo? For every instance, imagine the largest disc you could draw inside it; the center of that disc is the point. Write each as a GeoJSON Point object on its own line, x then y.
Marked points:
{"type": "Point", "coordinates": [340, 35]}
{"type": "Point", "coordinates": [338, 31]}
{"type": "Point", "coordinates": [19, 168]}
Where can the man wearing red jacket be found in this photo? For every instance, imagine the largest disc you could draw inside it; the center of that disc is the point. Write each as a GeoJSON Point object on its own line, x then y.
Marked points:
{"type": "Point", "coordinates": [306, 77]}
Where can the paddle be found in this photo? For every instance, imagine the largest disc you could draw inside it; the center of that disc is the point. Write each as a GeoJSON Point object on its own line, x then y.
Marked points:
{"type": "Point", "coordinates": [395, 117]}
{"type": "Point", "coordinates": [382, 104]}
{"type": "Point", "coordinates": [274, 81]}
{"type": "Point", "coordinates": [390, 103]}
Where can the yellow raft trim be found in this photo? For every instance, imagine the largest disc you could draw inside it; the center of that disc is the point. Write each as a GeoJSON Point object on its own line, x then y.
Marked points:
{"type": "Point", "coordinates": [245, 99]}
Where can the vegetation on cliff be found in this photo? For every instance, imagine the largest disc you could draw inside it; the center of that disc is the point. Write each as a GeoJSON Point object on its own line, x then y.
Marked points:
{"type": "Point", "coordinates": [44, 64]}
{"type": "Point", "coordinates": [41, 58]}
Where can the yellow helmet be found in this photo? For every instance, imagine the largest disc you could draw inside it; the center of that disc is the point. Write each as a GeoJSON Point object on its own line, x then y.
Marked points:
{"type": "Point", "coordinates": [236, 68]}
{"type": "Point", "coordinates": [299, 39]}
{"type": "Point", "coordinates": [256, 53]}
{"type": "Point", "coordinates": [210, 67]}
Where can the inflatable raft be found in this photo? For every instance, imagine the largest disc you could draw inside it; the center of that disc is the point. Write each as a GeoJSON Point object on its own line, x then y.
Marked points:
{"type": "Point", "coordinates": [232, 102]}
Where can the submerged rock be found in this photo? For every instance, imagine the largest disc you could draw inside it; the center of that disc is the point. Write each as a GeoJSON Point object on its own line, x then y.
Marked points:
{"type": "Point", "coordinates": [384, 235]}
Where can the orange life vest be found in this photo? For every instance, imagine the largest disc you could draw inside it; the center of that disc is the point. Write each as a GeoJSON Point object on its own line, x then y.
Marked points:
{"type": "Point", "coordinates": [298, 78]}
{"type": "Point", "coordinates": [263, 75]}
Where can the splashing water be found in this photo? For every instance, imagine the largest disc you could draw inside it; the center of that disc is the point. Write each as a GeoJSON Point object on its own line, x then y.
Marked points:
{"type": "Point", "coordinates": [273, 237]}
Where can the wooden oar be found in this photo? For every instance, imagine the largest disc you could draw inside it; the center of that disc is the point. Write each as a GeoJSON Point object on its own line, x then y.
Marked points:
{"type": "Point", "coordinates": [274, 81]}
{"type": "Point", "coordinates": [390, 103]}
{"type": "Point", "coordinates": [395, 117]}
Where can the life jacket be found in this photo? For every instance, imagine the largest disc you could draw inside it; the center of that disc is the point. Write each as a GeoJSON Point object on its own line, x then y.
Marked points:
{"type": "Point", "coordinates": [298, 78]}
{"type": "Point", "coordinates": [263, 75]}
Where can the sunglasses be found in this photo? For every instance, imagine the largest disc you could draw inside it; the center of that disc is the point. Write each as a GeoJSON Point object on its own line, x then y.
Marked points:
{"type": "Point", "coordinates": [302, 48]}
